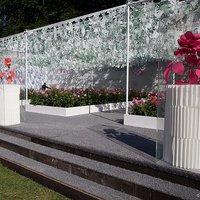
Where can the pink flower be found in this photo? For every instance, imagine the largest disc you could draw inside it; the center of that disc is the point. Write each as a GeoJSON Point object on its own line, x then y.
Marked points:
{"type": "Point", "coordinates": [131, 104]}
{"type": "Point", "coordinates": [155, 102]}
{"type": "Point", "coordinates": [7, 62]}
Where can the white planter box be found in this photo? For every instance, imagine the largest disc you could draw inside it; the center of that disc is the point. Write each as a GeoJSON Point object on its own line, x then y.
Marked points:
{"type": "Point", "coordinates": [144, 121]}
{"type": "Point", "coordinates": [182, 125]}
{"type": "Point", "coordinates": [73, 111]}
{"type": "Point", "coordinates": [9, 105]}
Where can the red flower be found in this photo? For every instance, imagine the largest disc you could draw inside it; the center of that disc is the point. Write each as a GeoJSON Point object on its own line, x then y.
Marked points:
{"type": "Point", "coordinates": [7, 61]}
{"type": "Point", "coordinates": [188, 43]}
{"type": "Point", "coordinates": [189, 51]}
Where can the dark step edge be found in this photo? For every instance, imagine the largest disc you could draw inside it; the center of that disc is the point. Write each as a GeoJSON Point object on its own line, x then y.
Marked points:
{"type": "Point", "coordinates": [116, 183]}
{"type": "Point", "coordinates": [174, 175]}
{"type": "Point", "coordinates": [58, 186]}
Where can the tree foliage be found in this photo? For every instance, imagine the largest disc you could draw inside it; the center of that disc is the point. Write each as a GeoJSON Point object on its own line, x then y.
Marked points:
{"type": "Point", "coordinates": [18, 15]}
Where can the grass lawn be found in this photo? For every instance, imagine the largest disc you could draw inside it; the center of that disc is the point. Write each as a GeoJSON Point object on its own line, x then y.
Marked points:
{"type": "Point", "coordinates": [16, 187]}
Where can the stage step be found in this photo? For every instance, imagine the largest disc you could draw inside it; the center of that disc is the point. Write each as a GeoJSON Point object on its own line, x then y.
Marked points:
{"type": "Point", "coordinates": [67, 184]}
{"type": "Point", "coordinates": [158, 169]}
{"type": "Point", "coordinates": [98, 173]}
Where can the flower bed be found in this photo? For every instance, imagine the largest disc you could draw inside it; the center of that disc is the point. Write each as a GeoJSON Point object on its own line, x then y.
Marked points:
{"type": "Point", "coordinates": [71, 102]}
{"type": "Point", "coordinates": [80, 97]}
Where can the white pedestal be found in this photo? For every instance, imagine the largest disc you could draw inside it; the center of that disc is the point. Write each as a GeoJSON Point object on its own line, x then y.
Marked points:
{"type": "Point", "coordinates": [182, 126]}
{"type": "Point", "coordinates": [9, 105]}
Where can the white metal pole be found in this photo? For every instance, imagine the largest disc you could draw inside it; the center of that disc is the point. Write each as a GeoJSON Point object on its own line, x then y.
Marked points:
{"type": "Point", "coordinates": [127, 57]}
{"type": "Point", "coordinates": [26, 63]}
{"type": "Point", "coordinates": [92, 78]}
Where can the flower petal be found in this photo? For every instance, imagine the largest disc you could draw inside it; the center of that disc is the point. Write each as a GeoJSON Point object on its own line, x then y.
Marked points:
{"type": "Point", "coordinates": [189, 35]}
{"type": "Point", "coordinates": [191, 60]}
{"type": "Point", "coordinates": [178, 68]}
{"type": "Point", "coordinates": [177, 53]}
{"type": "Point", "coordinates": [197, 36]}
{"type": "Point", "coordinates": [181, 82]}
{"type": "Point", "coordinates": [195, 43]}
{"type": "Point", "coordinates": [198, 72]}
{"type": "Point", "coordinates": [193, 78]}
{"type": "Point", "coordinates": [166, 74]}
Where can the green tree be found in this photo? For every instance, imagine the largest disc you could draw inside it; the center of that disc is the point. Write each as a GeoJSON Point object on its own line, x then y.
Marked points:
{"type": "Point", "coordinates": [18, 15]}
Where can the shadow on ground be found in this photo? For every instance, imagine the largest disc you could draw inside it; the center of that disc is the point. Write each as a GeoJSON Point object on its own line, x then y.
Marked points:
{"type": "Point", "coordinates": [143, 144]}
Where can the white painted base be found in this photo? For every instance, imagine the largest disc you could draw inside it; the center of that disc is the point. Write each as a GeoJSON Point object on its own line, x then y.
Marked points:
{"type": "Point", "coordinates": [9, 105]}
{"type": "Point", "coordinates": [182, 125]}
{"type": "Point", "coordinates": [73, 111]}
{"type": "Point", "coordinates": [144, 121]}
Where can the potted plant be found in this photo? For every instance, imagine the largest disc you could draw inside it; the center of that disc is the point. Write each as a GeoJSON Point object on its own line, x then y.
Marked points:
{"type": "Point", "coordinates": [182, 108]}
{"type": "Point", "coordinates": [9, 96]}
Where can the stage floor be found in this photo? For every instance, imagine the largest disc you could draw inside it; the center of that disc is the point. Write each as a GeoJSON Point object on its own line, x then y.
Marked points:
{"type": "Point", "coordinates": [100, 132]}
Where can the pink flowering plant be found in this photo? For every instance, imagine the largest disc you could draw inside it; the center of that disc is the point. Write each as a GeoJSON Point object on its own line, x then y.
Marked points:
{"type": "Point", "coordinates": [187, 63]}
{"type": "Point", "coordinates": [8, 75]}
{"type": "Point", "coordinates": [144, 106]}
{"type": "Point", "coordinates": [71, 97]}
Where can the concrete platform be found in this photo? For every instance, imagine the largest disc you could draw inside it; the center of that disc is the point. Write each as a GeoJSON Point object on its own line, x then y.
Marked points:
{"type": "Point", "coordinates": [103, 134]}
{"type": "Point", "coordinates": [103, 131]}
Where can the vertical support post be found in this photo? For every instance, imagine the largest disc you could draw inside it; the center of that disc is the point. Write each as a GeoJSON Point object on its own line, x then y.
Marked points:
{"type": "Point", "coordinates": [26, 64]}
{"type": "Point", "coordinates": [92, 78]}
{"type": "Point", "coordinates": [127, 57]}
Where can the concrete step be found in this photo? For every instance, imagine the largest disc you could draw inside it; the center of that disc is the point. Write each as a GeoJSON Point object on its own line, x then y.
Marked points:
{"type": "Point", "coordinates": [130, 182]}
{"type": "Point", "coordinates": [67, 184]}
{"type": "Point", "coordinates": [158, 169]}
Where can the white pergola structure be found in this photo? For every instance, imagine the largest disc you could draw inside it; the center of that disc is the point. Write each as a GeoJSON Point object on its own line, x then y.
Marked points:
{"type": "Point", "coordinates": [120, 37]}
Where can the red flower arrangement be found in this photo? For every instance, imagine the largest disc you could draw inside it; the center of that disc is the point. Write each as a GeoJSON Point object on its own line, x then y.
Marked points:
{"type": "Point", "coordinates": [187, 65]}
{"type": "Point", "coordinates": [9, 73]}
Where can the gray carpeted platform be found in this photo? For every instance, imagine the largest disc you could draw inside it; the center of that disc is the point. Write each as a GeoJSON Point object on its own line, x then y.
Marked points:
{"type": "Point", "coordinates": [103, 132]}
{"type": "Point", "coordinates": [99, 131]}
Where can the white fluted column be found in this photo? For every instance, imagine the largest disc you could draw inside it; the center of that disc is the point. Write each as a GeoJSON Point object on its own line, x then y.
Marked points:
{"type": "Point", "coordinates": [182, 126]}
